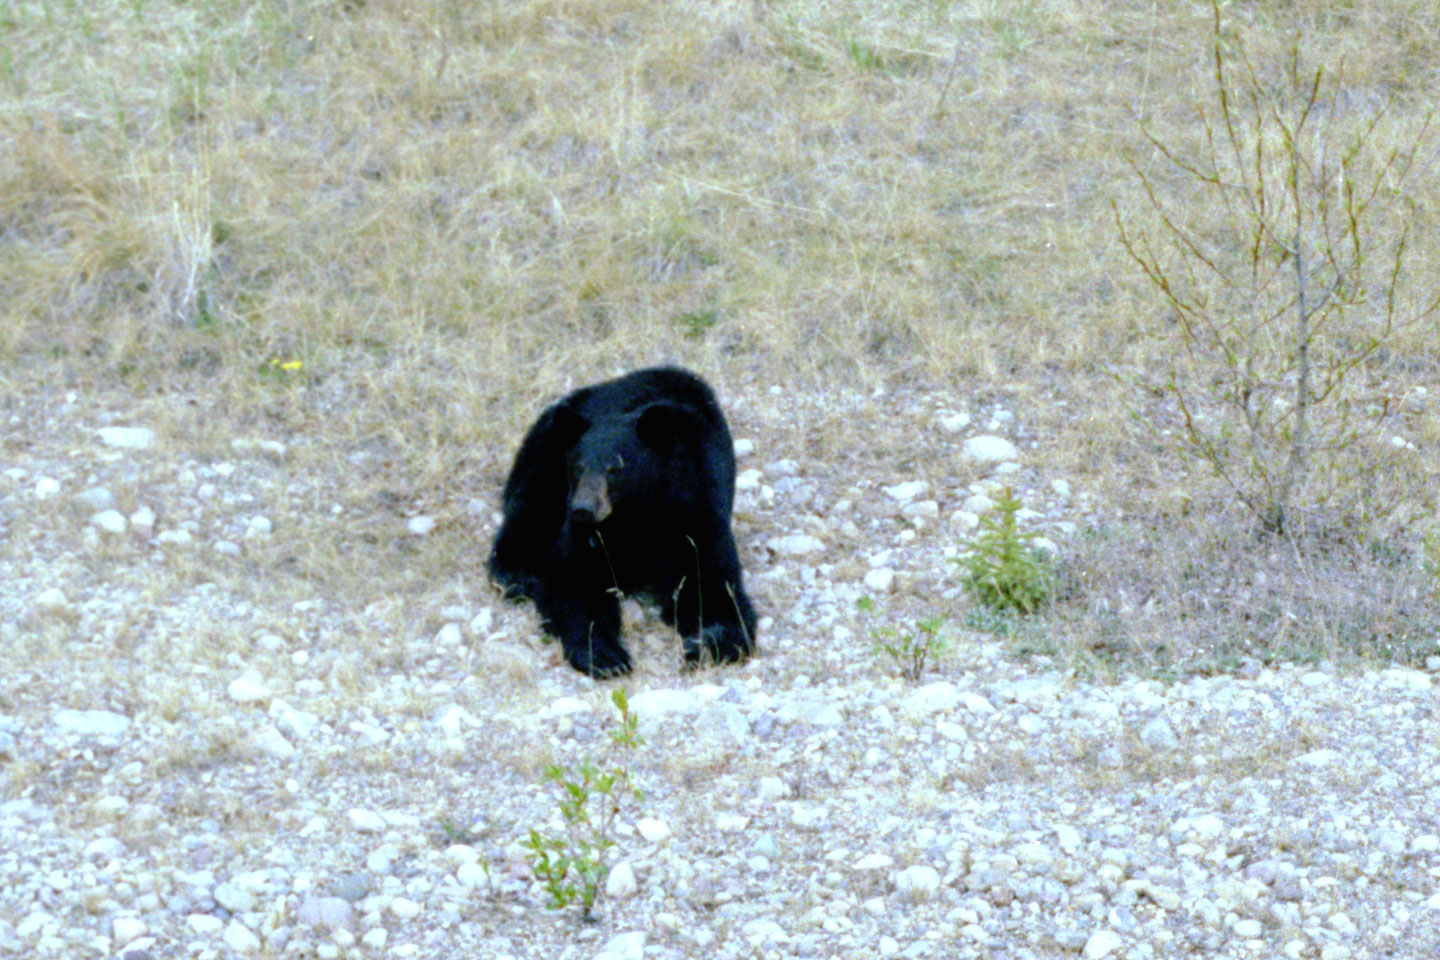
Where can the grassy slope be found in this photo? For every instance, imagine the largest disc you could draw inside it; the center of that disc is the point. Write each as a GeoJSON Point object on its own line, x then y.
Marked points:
{"type": "Point", "coordinates": [450, 212]}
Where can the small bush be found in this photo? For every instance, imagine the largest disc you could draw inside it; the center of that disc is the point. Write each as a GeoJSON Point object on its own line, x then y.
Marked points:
{"type": "Point", "coordinates": [910, 651]}
{"type": "Point", "coordinates": [1003, 571]}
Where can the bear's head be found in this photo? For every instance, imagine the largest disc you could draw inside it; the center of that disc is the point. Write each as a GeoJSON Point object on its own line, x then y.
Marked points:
{"type": "Point", "coordinates": [622, 464]}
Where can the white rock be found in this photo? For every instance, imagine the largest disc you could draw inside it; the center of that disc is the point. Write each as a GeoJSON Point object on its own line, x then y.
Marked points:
{"type": "Point", "coordinates": [453, 718]}
{"type": "Point", "coordinates": [1102, 943]}
{"type": "Point", "coordinates": [204, 924]}
{"type": "Point", "coordinates": [179, 538]}
{"type": "Point", "coordinates": [105, 848]}
{"type": "Point", "coordinates": [143, 518]}
{"type": "Point", "coordinates": [125, 929]}
{"type": "Point", "coordinates": [372, 735]}
{"type": "Point", "coordinates": [131, 438]}
{"type": "Point", "coordinates": [367, 821]}
{"type": "Point", "coordinates": [731, 822]}
{"type": "Point", "coordinates": [1315, 678]}
{"type": "Point", "coordinates": [480, 623]}
{"type": "Point", "coordinates": [296, 723]}
{"type": "Point", "coordinates": [239, 938]}
{"type": "Point", "coordinates": [749, 479]}
{"type": "Point", "coordinates": [233, 897]}
{"type": "Point", "coordinates": [955, 422]}
{"type": "Point", "coordinates": [1425, 843]}
{"type": "Point", "coordinates": [1061, 488]}
{"type": "Point", "coordinates": [569, 706]}
{"type": "Point", "coordinates": [273, 742]}
{"type": "Point", "coordinates": [52, 601]}
{"type": "Point", "coordinates": [419, 526]}
{"type": "Point", "coordinates": [744, 447]}
{"type": "Point", "coordinates": [1068, 838]}
{"type": "Point", "coordinates": [46, 487]}
{"type": "Point", "coordinates": [111, 521]}
{"type": "Point", "coordinates": [102, 723]}
{"type": "Point", "coordinates": [258, 527]}
{"type": "Point", "coordinates": [880, 580]}
{"type": "Point", "coordinates": [624, 946]}
{"type": "Point", "coordinates": [951, 731]}
{"type": "Point", "coordinates": [655, 703]}
{"type": "Point", "coordinates": [227, 548]}
{"type": "Point", "coordinates": [975, 703]}
{"type": "Point", "coordinates": [1249, 929]}
{"type": "Point", "coordinates": [920, 882]}
{"type": "Point", "coordinates": [248, 688]}
{"type": "Point", "coordinates": [907, 491]}
{"type": "Point", "coordinates": [773, 788]}
{"type": "Point", "coordinates": [990, 449]}
{"type": "Point", "coordinates": [964, 520]}
{"type": "Point", "coordinates": [1030, 725]}
{"type": "Point", "coordinates": [1318, 758]}
{"type": "Point", "coordinates": [795, 545]}
{"type": "Point", "coordinates": [921, 508]}
{"type": "Point", "coordinates": [939, 697]}
{"type": "Point", "coordinates": [875, 861]}
{"type": "Point", "coordinates": [405, 908]}
{"type": "Point", "coordinates": [375, 938]}
{"type": "Point", "coordinates": [620, 882]}
{"type": "Point", "coordinates": [474, 875]}
{"type": "Point", "coordinates": [449, 635]}
{"type": "Point", "coordinates": [978, 503]}
{"type": "Point", "coordinates": [653, 830]}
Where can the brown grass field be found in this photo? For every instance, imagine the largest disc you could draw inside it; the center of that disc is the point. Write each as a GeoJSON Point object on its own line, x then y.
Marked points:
{"type": "Point", "coordinates": [386, 233]}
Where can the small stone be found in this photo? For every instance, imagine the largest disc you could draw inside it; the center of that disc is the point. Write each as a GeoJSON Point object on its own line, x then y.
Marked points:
{"type": "Point", "coordinates": [125, 929]}
{"type": "Point", "coordinates": [1249, 929]}
{"type": "Point", "coordinates": [954, 422]}
{"type": "Point", "coordinates": [52, 601]}
{"type": "Point", "coordinates": [102, 723]}
{"type": "Point", "coordinates": [239, 938]}
{"type": "Point", "coordinates": [179, 538]}
{"type": "Point", "coordinates": [749, 479]}
{"type": "Point", "coordinates": [624, 946]}
{"type": "Point", "coordinates": [773, 788]}
{"type": "Point", "coordinates": [258, 527]}
{"type": "Point", "coordinates": [111, 521]}
{"type": "Point", "coordinates": [917, 883]}
{"type": "Point", "coordinates": [744, 447]}
{"type": "Point", "coordinates": [204, 924]}
{"type": "Point", "coordinates": [1068, 838]}
{"type": "Point", "coordinates": [928, 509]}
{"type": "Point", "coordinates": [941, 697]}
{"type": "Point", "coordinates": [874, 861]}
{"type": "Point", "coordinates": [248, 688]}
{"type": "Point", "coordinates": [143, 519]}
{"type": "Point", "coordinates": [975, 703]}
{"type": "Point", "coordinates": [880, 580]}
{"type": "Point", "coordinates": [1318, 758]}
{"type": "Point", "coordinates": [1158, 736]}
{"type": "Point", "coordinates": [367, 821]}
{"type": "Point", "coordinates": [795, 545]}
{"type": "Point", "coordinates": [405, 908]}
{"type": "Point", "coordinates": [273, 742]}
{"type": "Point", "coordinates": [620, 883]}
{"type": "Point", "coordinates": [1425, 843]}
{"type": "Point", "coordinates": [131, 438]}
{"type": "Point", "coordinates": [234, 897]}
{"type": "Point", "coordinates": [46, 487]}
{"type": "Point", "coordinates": [420, 526]}
{"type": "Point", "coordinates": [227, 548]}
{"type": "Point", "coordinates": [105, 848]}
{"type": "Point", "coordinates": [96, 498]}
{"type": "Point", "coordinates": [905, 492]}
{"type": "Point", "coordinates": [990, 449]}
{"type": "Point", "coordinates": [653, 830]}
{"type": "Point", "coordinates": [449, 636]}
{"type": "Point", "coordinates": [375, 938]}
{"type": "Point", "coordinates": [352, 887]}
{"type": "Point", "coordinates": [1102, 943]}
{"type": "Point", "coordinates": [480, 624]}
{"type": "Point", "coordinates": [474, 875]}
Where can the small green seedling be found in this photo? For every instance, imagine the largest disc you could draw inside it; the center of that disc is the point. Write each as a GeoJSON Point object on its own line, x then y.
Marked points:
{"type": "Point", "coordinates": [910, 651]}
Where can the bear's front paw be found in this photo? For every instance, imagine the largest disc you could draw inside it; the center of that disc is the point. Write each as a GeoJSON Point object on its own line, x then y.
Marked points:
{"type": "Point", "coordinates": [720, 643]}
{"type": "Point", "coordinates": [600, 662]}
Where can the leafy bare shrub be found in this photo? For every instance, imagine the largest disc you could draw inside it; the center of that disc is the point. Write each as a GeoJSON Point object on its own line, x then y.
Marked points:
{"type": "Point", "coordinates": [1288, 274]}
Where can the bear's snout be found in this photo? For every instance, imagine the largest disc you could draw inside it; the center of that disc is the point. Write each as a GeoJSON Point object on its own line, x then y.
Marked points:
{"type": "Point", "coordinates": [590, 503]}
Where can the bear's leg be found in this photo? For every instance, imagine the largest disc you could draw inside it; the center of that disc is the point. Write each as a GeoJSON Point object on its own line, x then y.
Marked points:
{"type": "Point", "coordinates": [588, 625]}
{"type": "Point", "coordinates": [712, 612]}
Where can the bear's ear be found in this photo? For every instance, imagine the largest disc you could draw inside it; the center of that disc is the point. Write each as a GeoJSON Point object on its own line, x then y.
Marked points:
{"type": "Point", "coordinates": [566, 423]}
{"type": "Point", "coordinates": [660, 425]}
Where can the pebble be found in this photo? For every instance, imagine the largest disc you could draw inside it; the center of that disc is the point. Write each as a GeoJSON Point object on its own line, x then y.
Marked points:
{"type": "Point", "coordinates": [130, 438]}
{"type": "Point", "coordinates": [795, 545]}
{"type": "Point", "coordinates": [653, 830]}
{"type": "Point", "coordinates": [367, 821]}
{"type": "Point", "coordinates": [1102, 943]}
{"type": "Point", "coordinates": [239, 938]}
{"type": "Point", "coordinates": [620, 883]}
{"type": "Point", "coordinates": [46, 487]}
{"type": "Point", "coordinates": [905, 492]}
{"type": "Point", "coordinates": [111, 521]}
{"type": "Point", "coordinates": [52, 601]}
{"type": "Point", "coordinates": [449, 635]}
{"type": "Point", "coordinates": [880, 580]}
{"type": "Point", "coordinates": [126, 929]}
{"type": "Point", "coordinates": [85, 723]}
{"type": "Point", "coordinates": [624, 946]}
{"type": "Point", "coordinates": [249, 687]}
{"type": "Point", "coordinates": [990, 449]}
{"type": "Point", "coordinates": [405, 908]}
{"type": "Point", "coordinates": [1158, 736]}
{"type": "Point", "coordinates": [419, 526]}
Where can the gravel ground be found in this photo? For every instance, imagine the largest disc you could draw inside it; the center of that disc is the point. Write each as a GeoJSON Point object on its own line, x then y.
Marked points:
{"type": "Point", "coordinates": [204, 754]}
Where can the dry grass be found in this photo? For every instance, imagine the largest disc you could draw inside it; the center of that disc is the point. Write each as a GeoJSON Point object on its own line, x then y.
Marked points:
{"type": "Point", "coordinates": [387, 232]}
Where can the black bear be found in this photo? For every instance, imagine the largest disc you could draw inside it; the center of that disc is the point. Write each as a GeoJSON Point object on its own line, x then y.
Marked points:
{"type": "Point", "coordinates": [625, 488]}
